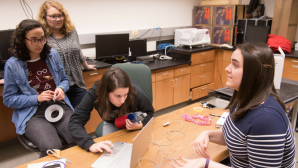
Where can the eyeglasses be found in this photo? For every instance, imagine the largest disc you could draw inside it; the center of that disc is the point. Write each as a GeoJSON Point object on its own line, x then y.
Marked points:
{"type": "Point", "coordinates": [53, 17]}
{"type": "Point", "coordinates": [36, 41]}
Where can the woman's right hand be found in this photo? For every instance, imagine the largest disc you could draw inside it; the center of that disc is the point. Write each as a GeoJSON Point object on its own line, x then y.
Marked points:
{"type": "Point", "coordinates": [99, 146]}
{"type": "Point", "coordinates": [45, 96]}
{"type": "Point", "coordinates": [200, 145]}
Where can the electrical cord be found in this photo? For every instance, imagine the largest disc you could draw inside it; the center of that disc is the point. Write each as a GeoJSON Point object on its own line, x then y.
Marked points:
{"type": "Point", "coordinates": [160, 145]}
{"type": "Point", "coordinates": [143, 34]}
{"type": "Point", "coordinates": [26, 6]}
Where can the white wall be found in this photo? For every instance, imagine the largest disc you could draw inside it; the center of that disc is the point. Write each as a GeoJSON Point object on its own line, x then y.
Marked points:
{"type": "Point", "coordinates": [95, 16]}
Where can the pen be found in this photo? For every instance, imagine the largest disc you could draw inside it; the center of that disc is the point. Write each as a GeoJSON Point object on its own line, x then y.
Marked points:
{"type": "Point", "coordinates": [215, 115]}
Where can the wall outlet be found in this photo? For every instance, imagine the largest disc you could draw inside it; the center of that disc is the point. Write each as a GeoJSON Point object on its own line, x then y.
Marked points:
{"type": "Point", "coordinates": [134, 33]}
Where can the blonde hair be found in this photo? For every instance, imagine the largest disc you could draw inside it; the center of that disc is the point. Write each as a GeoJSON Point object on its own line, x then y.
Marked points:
{"type": "Point", "coordinates": [67, 25]}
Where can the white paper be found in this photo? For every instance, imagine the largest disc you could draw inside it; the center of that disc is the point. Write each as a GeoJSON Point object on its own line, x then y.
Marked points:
{"type": "Point", "coordinates": [41, 164]}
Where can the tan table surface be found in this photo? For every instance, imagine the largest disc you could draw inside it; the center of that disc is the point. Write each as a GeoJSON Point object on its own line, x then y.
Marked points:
{"type": "Point", "coordinates": [181, 144]}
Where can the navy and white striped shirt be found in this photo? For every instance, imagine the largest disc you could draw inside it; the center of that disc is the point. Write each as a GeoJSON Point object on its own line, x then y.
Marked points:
{"type": "Point", "coordinates": [262, 138]}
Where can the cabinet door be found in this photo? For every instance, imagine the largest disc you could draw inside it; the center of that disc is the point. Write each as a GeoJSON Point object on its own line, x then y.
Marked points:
{"type": "Point", "coordinates": [164, 92]}
{"type": "Point", "coordinates": [291, 64]}
{"type": "Point", "coordinates": [181, 89]}
{"type": "Point", "coordinates": [92, 124]}
{"type": "Point", "coordinates": [201, 68]}
{"type": "Point", "coordinates": [290, 75]}
{"type": "Point", "coordinates": [91, 76]}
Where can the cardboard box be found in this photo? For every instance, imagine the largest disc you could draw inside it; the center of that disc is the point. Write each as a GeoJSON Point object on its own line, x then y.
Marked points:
{"type": "Point", "coordinates": [224, 15]}
{"type": "Point", "coordinates": [202, 15]}
{"type": "Point", "coordinates": [221, 2]}
{"type": "Point", "coordinates": [222, 35]}
{"type": "Point", "coordinates": [285, 19]}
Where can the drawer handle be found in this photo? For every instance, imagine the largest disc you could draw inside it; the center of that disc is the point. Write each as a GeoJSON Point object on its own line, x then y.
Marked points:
{"type": "Point", "coordinates": [94, 73]}
{"type": "Point", "coordinates": [203, 76]}
{"type": "Point", "coordinates": [294, 61]}
{"type": "Point", "coordinates": [183, 69]}
{"type": "Point", "coordinates": [203, 53]}
{"type": "Point", "coordinates": [165, 73]}
{"type": "Point", "coordinates": [203, 64]}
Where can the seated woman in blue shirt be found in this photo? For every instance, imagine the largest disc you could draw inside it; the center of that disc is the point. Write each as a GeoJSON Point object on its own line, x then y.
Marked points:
{"type": "Point", "coordinates": [34, 76]}
{"type": "Point", "coordinates": [257, 131]}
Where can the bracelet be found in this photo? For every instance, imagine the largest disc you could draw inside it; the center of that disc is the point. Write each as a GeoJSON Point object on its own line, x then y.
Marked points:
{"type": "Point", "coordinates": [206, 119]}
{"type": "Point", "coordinates": [207, 163]}
{"type": "Point", "coordinates": [61, 87]}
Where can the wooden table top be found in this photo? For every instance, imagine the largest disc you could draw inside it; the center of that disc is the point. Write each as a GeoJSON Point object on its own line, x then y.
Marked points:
{"type": "Point", "coordinates": [181, 144]}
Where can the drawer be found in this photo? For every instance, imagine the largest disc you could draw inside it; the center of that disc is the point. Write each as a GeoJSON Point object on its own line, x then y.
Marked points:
{"type": "Point", "coordinates": [290, 75]}
{"type": "Point", "coordinates": [182, 71]}
{"type": "Point", "coordinates": [201, 91]}
{"type": "Point", "coordinates": [291, 64]}
{"type": "Point", "coordinates": [227, 55]}
{"type": "Point", "coordinates": [91, 76]}
{"type": "Point", "coordinates": [164, 75]}
{"type": "Point", "coordinates": [201, 68]}
{"type": "Point", "coordinates": [153, 77]}
{"type": "Point", "coordinates": [201, 79]}
{"type": "Point", "coordinates": [201, 57]}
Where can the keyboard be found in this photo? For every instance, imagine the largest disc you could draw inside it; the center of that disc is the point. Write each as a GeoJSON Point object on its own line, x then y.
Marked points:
{"type": "Point", "coordinates": [123, 158]}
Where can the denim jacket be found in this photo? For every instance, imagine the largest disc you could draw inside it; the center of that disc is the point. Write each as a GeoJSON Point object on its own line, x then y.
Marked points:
{"type": "Point", "coordinates": [18, 94]}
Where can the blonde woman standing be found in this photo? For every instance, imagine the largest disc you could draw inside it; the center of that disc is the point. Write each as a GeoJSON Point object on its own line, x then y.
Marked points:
{"type": "Point", "coordinates": [63, 37]}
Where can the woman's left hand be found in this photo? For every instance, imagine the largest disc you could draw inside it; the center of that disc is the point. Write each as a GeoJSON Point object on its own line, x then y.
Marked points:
{"type": "Point", "coordinates": [187, 163]}
{"type": "Point", "coordinates": [91, 67]}
{"type": "Point", "coordinates": [59, 94]}
{"type": "Point", "coordinates": [133, 126]}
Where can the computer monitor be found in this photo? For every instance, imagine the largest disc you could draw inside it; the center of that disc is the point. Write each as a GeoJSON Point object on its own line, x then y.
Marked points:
{"type": "Point", "coordinates": [137, 48]}
{"type": "Point", "coordinates": [111, 45]}
{"type": "Point", "coordinates": [5, 39]}
{"type": "Point", "coordinates": [257, 33]}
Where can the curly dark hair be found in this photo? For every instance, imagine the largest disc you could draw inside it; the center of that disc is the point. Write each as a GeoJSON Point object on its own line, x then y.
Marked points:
{"type": "Point", "coordinates": [18, 47]}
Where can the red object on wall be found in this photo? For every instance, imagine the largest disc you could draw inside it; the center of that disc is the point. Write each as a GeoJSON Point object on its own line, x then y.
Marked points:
{"type": "Point", "coordinates": [274, 41]}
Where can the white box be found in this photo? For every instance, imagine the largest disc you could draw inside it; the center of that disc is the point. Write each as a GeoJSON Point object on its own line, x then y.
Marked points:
{"type": "Point", "coordinates": [279, 65]}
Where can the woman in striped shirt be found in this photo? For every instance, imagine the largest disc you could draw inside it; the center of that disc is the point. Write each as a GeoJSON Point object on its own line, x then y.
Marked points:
{"type": "Point", "coordinates": [257, 132]}
{"type": "Point", "coordinates": [63, 37]}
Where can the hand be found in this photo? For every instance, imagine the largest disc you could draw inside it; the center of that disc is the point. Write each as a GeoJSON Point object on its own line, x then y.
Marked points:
{"type": "Point", "coordinates": [186, 163]}
{"type": "Point", "coordinates": [91, 67]}
{"type": "Point", "coordinates": [59, 94]}
{"type": "Point", "coordinates": [133, 126]}
{"type": "Point", "coordinates": [200, 145]}
{"type": "Point", "coordinates": [1, 81]}
{"type": "Point", "coordinates": [45, 96]}
{"type": "Point", "coordinates": [99, 146]}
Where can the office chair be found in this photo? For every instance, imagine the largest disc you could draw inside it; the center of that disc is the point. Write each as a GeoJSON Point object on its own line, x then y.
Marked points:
{"type": "Point", "coordinates": [139, 74]}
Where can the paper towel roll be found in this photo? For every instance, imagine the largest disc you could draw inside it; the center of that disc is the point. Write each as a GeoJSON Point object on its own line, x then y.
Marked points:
{"type": "Point", "coordinates": [50, 110]}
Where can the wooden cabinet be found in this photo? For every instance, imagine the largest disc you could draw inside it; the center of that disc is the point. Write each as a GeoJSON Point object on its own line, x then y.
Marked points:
{"type": "Point", "coordinates": [91, 76]}
{"type": "Point", "coordinates": [172, 87]}
{"type": "Point", "coordinates": [201, 91]}
{"type": "Point", "coordinates": [202, 79]}
{"type": "Point", "coordinates": [201, 57]}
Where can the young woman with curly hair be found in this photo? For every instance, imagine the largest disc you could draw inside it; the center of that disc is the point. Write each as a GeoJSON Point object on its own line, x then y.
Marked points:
{"type": "Point", "coordinates": [63, 37]}
{"type": "Point", "coordinates": [34, 76]}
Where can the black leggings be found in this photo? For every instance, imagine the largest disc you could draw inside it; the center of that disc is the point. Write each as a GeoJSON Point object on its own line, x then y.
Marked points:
{"type": "Point", "coordinates": [44, 134]}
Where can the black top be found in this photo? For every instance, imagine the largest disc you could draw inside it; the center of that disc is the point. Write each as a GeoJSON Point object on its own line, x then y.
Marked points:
{"type": "Point", "coordinates": [82, 115]}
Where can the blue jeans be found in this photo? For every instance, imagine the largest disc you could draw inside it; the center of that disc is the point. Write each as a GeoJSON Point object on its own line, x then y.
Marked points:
{"type": "Point", "coordinates": [75, 95]}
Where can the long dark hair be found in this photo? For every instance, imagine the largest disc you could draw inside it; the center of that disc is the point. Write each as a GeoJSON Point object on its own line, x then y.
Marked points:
{"type": "Point", "coordinates": [257, 79]}
{"type": "Point", "coordinates": [18, 47]}
{"type": "Point", "coordinates": [112, 79]}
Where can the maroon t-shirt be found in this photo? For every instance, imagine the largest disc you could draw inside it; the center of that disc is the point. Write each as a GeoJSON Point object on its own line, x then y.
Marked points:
{"type": "Point", "coordinates": [39, 77]}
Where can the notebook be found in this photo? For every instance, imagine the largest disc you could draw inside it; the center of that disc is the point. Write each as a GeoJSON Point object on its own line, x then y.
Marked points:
{"type": "Point", "coordinates": [126, 155]}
